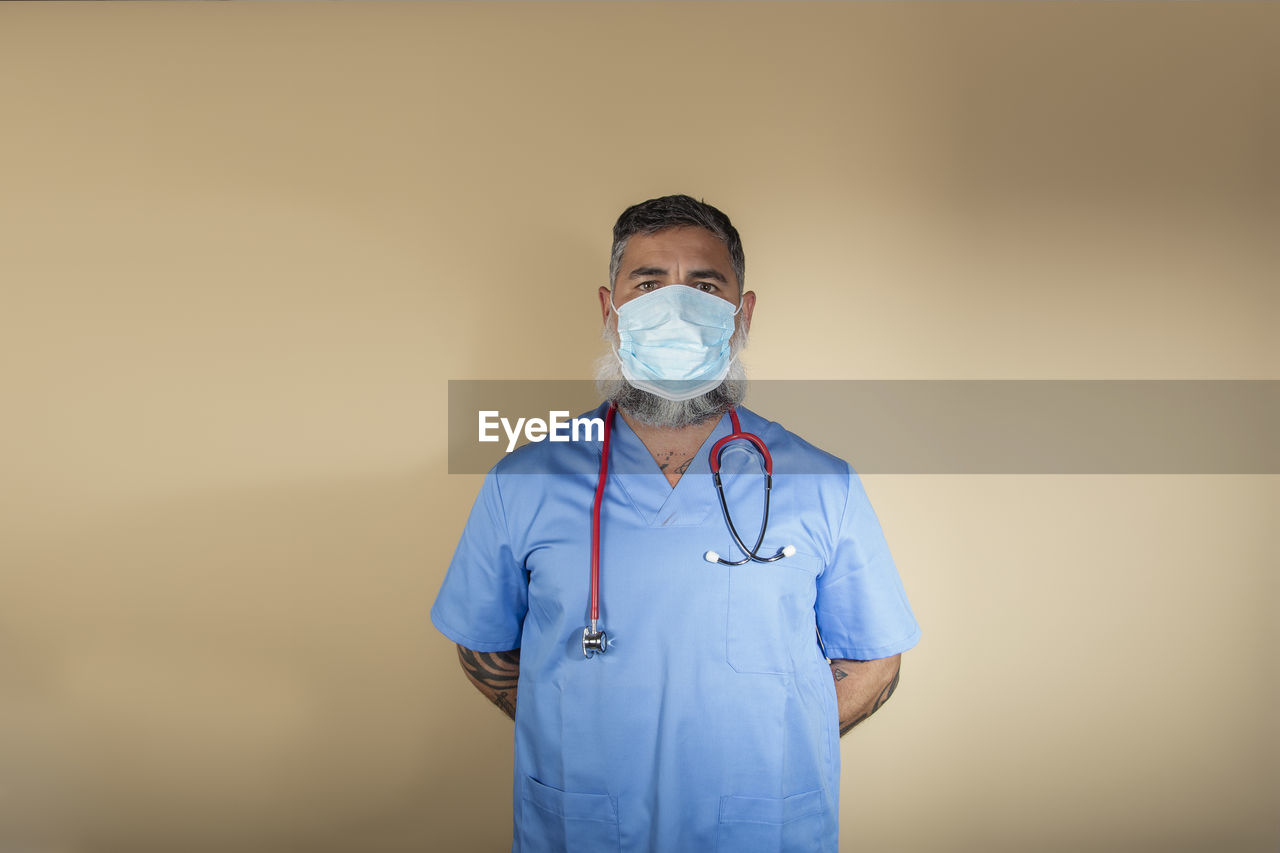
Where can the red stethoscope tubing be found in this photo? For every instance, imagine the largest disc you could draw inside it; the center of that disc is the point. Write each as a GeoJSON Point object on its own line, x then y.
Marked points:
{"type": "Point", "coordinates": [595, 518]}
{"type": "Point", "coordinates": [733, 436]}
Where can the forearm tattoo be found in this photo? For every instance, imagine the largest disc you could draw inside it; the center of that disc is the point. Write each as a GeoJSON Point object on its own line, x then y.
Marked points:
{"type": "Point", "coordinates": [508, 707]}
{"type": "Point", "coordinates": [837, 673]}
{"type": "Point", "coordinates": [495, 673]}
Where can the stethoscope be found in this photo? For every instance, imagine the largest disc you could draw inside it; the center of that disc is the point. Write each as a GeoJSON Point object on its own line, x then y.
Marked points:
{"type": "Point", "coordinates": [593, 639]}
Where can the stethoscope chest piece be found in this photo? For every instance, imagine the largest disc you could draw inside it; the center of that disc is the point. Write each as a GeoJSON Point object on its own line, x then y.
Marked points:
{"type": "Point", "coordinates": [593, 642]}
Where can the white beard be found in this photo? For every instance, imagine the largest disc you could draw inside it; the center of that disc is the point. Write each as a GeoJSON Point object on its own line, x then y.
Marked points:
{"type": "Point", "coordinates": [649, 408]}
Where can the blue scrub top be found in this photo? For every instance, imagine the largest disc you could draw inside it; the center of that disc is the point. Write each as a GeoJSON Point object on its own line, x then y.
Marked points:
{"type": "Point", "coordinates": [710, 723]}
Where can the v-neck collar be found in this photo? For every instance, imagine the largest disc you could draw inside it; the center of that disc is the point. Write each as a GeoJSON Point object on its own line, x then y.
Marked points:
{"type": "Point", "coordinates": [659, 503]}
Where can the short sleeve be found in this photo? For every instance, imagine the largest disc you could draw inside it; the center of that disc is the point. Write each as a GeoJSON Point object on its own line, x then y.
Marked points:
{"type": "Point", "coordinates": [862, 609]}
{"type": "Point", "coordinates": [485, 594]}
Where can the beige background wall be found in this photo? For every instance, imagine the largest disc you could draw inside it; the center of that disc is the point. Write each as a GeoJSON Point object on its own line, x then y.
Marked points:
{"type": "Point", "coordinates": [243, 246]}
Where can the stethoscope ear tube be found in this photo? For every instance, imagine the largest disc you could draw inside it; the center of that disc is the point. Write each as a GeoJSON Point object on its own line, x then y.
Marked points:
{"type": "Point", "coordinates": [752, 554]}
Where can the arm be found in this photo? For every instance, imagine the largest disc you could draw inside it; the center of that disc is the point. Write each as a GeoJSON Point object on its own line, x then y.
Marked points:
{"type": "Point", "coordinates": [494, 674]}
{"type": "Point", "coordinates": [862, 686]}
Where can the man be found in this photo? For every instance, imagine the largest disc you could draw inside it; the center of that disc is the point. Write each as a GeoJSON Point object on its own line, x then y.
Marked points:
{"type": "Point", "coordinates": [701, 710]}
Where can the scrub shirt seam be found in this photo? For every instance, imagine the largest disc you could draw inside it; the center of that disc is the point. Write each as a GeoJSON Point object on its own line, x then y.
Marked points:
{"type": "Point", "coordinates": [470, 642]}
{"type": "Point", "coordinates": [502, 505]}
{"type": "Point", "coordinates": [844, 512]}
{"type": "Point", "coordinates": [876, 652]}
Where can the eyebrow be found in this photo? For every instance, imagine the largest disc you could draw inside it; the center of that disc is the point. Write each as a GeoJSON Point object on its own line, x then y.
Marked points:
{"type": "Point", "coordinates": [643, 272]}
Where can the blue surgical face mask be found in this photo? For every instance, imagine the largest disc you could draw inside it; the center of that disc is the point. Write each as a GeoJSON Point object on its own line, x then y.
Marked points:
{"type": "Point", "coordinates": [674, 341]}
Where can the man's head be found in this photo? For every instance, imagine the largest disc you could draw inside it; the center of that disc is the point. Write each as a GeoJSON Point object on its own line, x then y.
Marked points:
{"type": "Point", "coordinates": [674, 241]}
{"type": "Point", "coordinates": [675, 211]}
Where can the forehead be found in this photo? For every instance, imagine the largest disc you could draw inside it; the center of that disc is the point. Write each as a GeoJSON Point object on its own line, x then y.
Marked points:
{"type": "Point", "coordinates": [684, 245]}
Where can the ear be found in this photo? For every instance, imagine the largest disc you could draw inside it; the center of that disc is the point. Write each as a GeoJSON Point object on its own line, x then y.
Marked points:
{"type": "Point", "coordinates": [748, 306]}
{"type": "Point", "coordinates": [604, 304]}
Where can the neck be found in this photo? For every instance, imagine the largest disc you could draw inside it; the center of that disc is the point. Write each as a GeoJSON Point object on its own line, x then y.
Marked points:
{"type": "Point", "coordinates": [673, 448]}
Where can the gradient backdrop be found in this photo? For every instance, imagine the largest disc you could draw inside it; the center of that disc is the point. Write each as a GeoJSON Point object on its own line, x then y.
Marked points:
{"type": "Point", "coordinates": [243, 247]}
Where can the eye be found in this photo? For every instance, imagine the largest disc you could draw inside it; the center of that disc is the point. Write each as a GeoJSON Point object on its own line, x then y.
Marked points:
{"type": "Point", "coordinates": [706, 287]}
{"type": "Point", "coordinates": [646, 285]}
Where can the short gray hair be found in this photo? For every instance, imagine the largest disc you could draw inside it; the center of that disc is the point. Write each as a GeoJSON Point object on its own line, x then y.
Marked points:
{"type": "Point", "coordinates": [675, 211]}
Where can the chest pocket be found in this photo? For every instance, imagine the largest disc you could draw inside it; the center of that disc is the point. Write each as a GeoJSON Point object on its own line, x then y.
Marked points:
{"type": "Point", "coordinates": [771, 615]}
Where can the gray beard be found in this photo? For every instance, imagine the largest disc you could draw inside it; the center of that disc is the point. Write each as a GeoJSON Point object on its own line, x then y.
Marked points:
{"type": "Point", "coordinates": [649, 408]}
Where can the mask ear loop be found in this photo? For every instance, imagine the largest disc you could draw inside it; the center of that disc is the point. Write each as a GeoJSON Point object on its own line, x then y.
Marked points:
{"type": "Point", "coordinates": [617, 318]}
